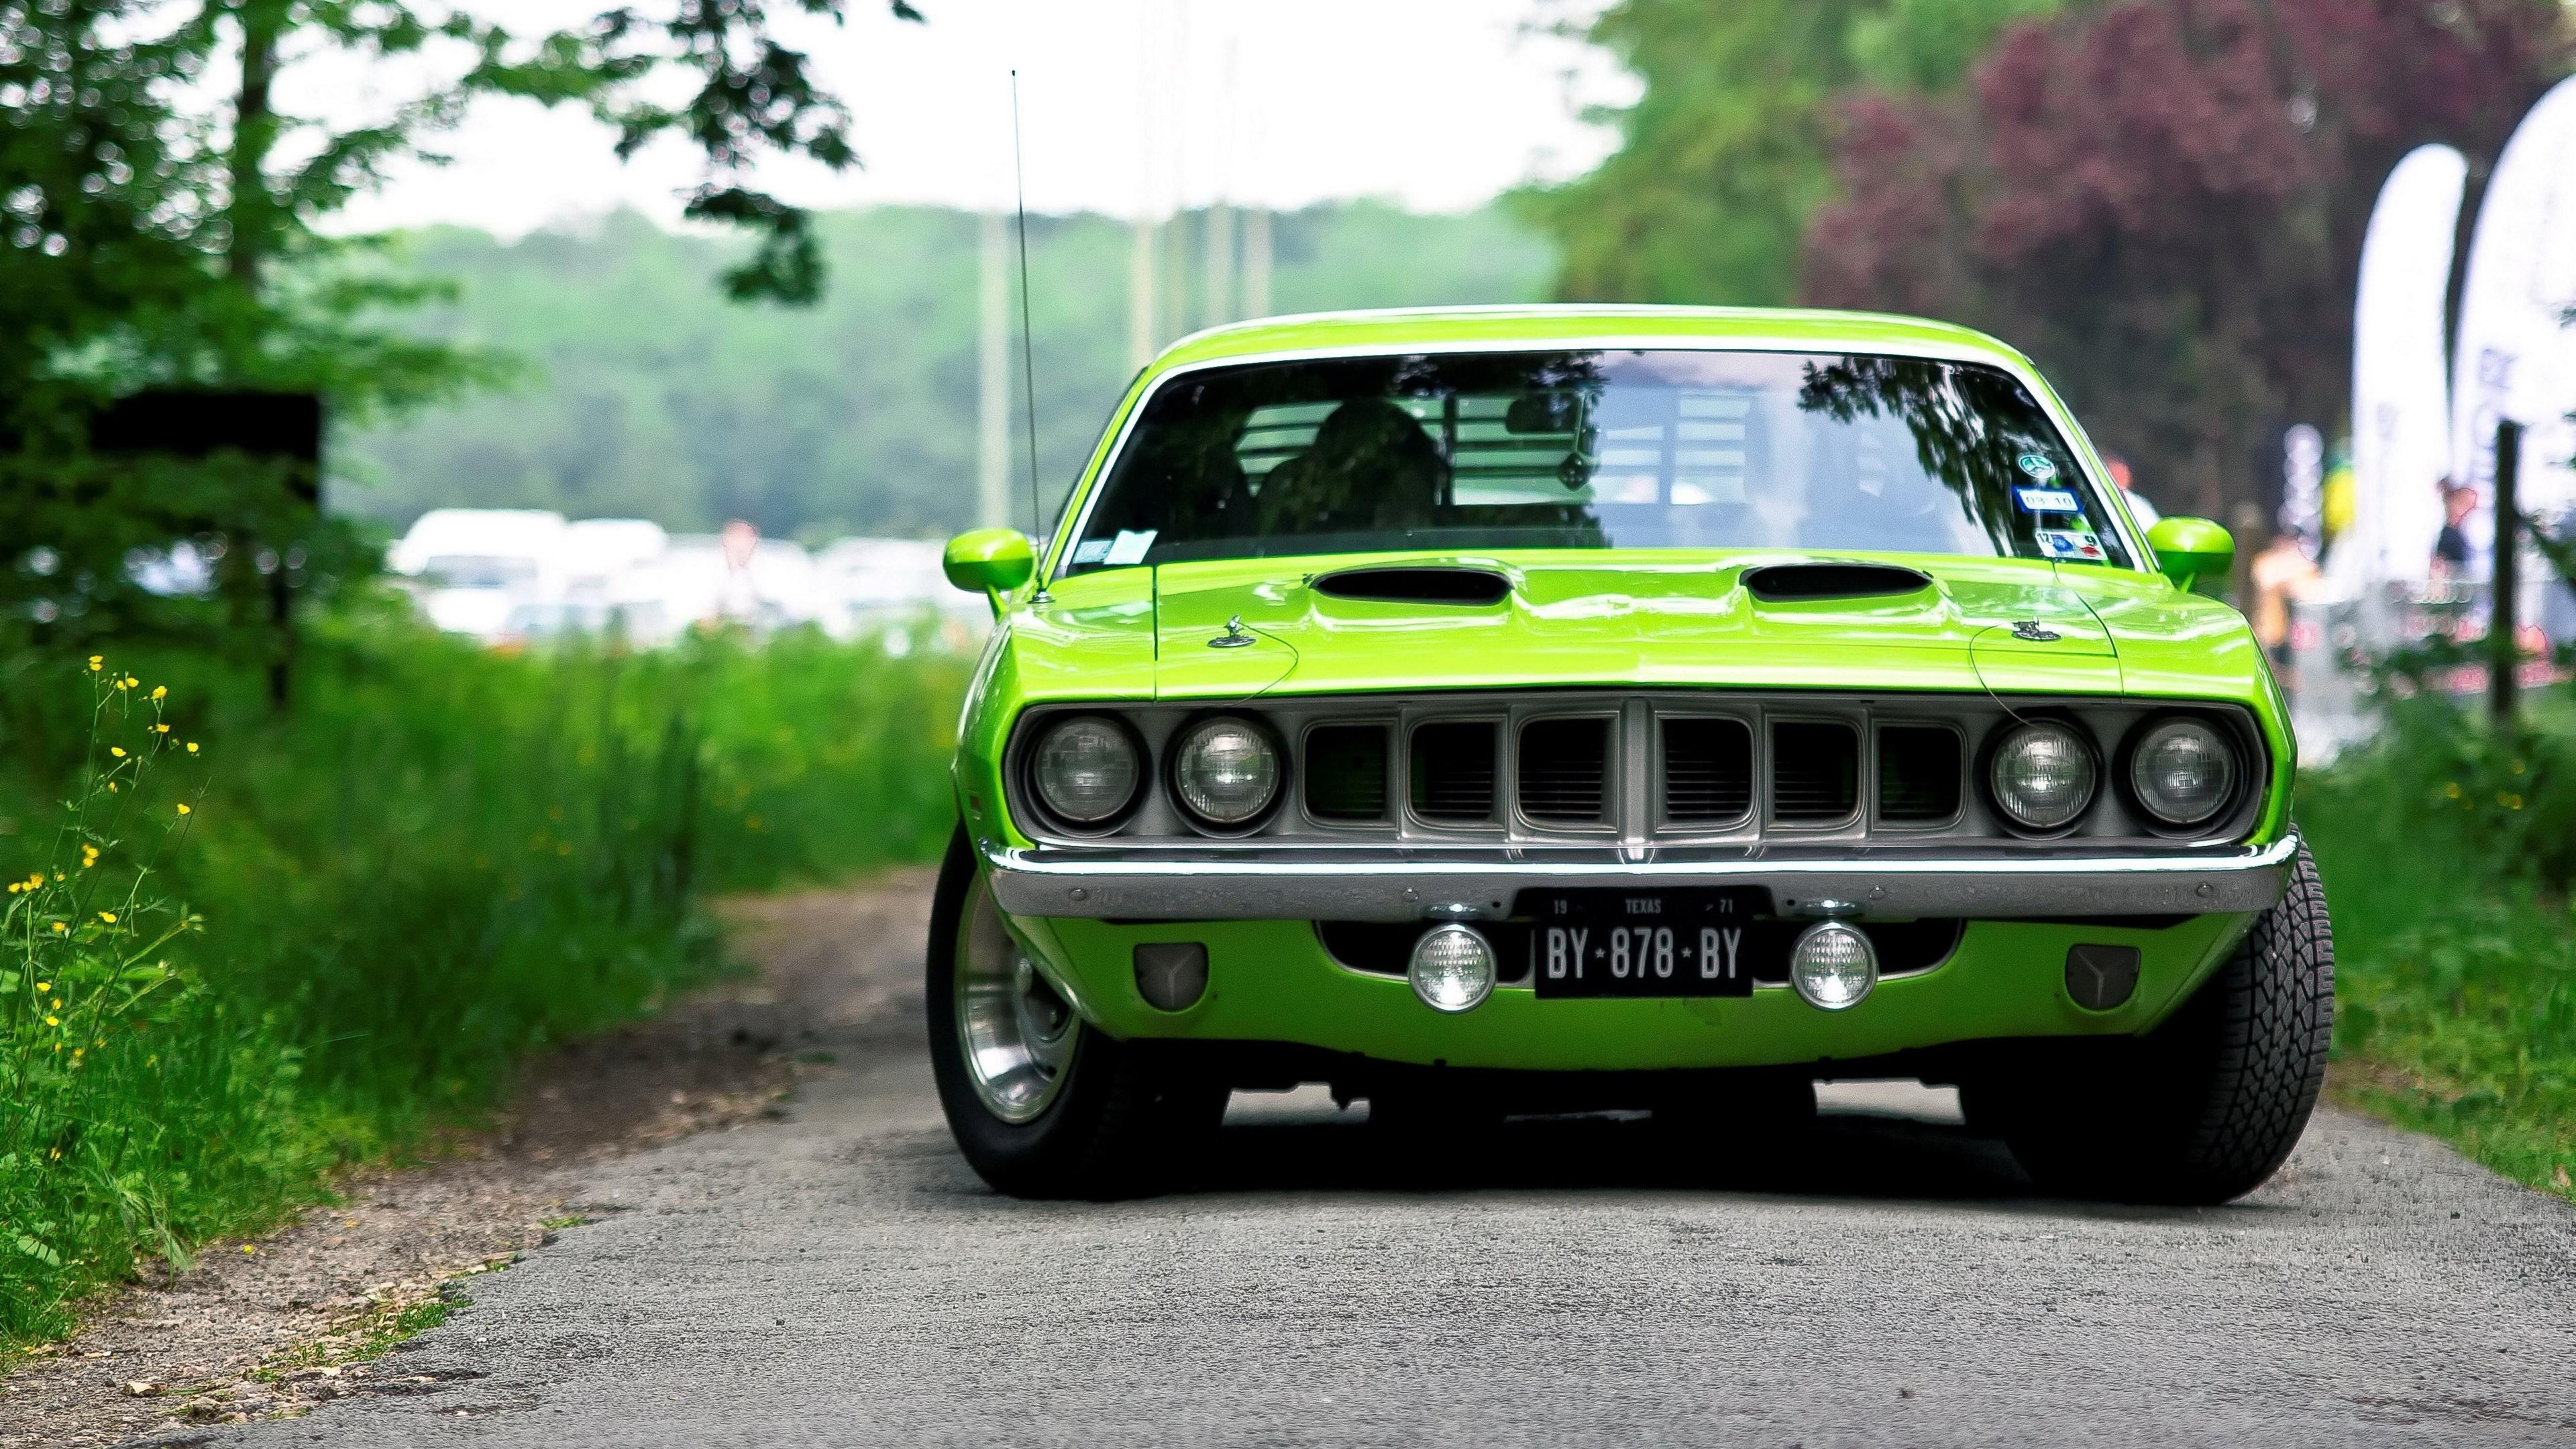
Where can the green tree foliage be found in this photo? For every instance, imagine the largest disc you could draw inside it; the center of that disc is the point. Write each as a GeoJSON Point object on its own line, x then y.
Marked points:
{"type": "Point", "coordinates": [1728, 151]}
{"type": "Point", "coordinates": [2163, 202]}
{"type": "Point", "coordinates": [160, 226]}
{"type": "Point", "coordinates": [643, 395]}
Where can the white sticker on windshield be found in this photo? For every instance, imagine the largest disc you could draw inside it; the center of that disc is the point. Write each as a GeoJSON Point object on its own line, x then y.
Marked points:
{"type": "Point", "coordinates": [1091, 550]}
{"type": "Point", "coordinates": [2037, 465]}
{"type": "Point", "coordinates": [1130, 548]}
{"type": "Point", "coordinates": [2075, 543]}
{"type": "Point", "coordinates": [2048, 500]}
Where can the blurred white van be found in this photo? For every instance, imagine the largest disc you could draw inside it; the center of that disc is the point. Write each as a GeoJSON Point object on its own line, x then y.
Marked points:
{"type": "Point", "coordinates": [471, 566]}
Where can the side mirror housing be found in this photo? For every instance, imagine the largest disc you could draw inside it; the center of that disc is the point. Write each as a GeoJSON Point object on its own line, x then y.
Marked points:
{"type": "Point", "coordinates": [2191, 549]}
{"type": "Point", "coordinates": [988, 560]}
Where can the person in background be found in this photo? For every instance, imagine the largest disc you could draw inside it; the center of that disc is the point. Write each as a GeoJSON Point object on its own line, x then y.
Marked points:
{"type": "Point", "coordinates": [2451, 547]}
{"type": "Point", "coordinates": [2282, 575]}
{"type": "Point", "coordinates": [2140, 509]}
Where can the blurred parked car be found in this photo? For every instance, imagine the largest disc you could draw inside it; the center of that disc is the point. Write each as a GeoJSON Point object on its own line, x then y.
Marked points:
{"type": "Point", "coordinates": [472, 565]}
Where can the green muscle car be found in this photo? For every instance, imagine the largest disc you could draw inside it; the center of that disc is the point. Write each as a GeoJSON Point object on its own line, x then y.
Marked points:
{"type": "Point", "coordinates": [1505, 711]}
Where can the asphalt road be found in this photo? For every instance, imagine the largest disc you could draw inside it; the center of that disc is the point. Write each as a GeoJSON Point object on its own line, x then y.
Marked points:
{"type": "Point", "coordinates": [840, 1277]}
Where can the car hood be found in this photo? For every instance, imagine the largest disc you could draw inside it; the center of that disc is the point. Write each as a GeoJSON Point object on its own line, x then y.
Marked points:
{"type": "Point", "coordinates": [1614, 617]}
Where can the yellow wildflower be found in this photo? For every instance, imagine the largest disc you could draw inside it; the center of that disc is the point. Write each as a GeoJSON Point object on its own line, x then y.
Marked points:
{"type": "Point", "coordinates": [108, 916]}
{"type": "Point", "coordinates": [59, 928]}
{"type": "Point", "coordinates": [16, 886]}
{"type": "Point", "coordinates": [192, 747]}
{"type": "Point", "coordinates": [52, 1020]}
{"type": "Point", "coordinates": [94, 661]}
{"type": "Point", "coordinates": [58, 1003]}
{"type": "Point", "coordinates": [128, 682]}
{"type": "Point", "coordinates": [161, 729]}
{"type": "Point", "coordinates": [79, 1052]}
{"type": "Point", "coordinates": [160, 691]}
{"type": "Point", "coordinates": [183, 808]}
{"type": "Point", "coordinates": [111, 787]}
{"type": "Point", "coordinates": [44, 986]}
{"type": "Point", "coordinates": [117, 750]}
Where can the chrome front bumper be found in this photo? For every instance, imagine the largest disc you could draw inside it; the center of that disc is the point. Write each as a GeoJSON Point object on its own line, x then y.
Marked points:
{"type": "Point", "coordinates": [1400, 884]}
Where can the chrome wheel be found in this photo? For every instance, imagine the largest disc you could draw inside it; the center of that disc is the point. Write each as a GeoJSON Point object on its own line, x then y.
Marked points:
{"type": "Point", "coordinates": [1017, 1034]}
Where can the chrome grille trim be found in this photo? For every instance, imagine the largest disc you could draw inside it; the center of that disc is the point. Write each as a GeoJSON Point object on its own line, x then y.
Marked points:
{"type": "Point", "coordinates": [1638, 789]}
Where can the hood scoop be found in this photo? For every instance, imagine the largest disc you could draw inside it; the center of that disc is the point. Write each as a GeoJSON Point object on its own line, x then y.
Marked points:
{"type": "Point", "coordinates": [1474, 588]}
{"type": "Point", "coordinates": [1798, 582]}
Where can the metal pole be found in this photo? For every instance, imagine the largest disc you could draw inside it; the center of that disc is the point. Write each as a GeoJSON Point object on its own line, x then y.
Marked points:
{"type": "Point", "coordinates": [993, 376]}
{"type": "Point", "coordinates": [2504, 578]}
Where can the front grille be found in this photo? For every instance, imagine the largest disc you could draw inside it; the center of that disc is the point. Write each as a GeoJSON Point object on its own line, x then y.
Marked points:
{"type": "Point", "coordinates": [1918, 774]}
{"type": "Point", "coordinates": [1815, 772]}
{"type": "Point", "coordinates": [1453, 772]}
{"type": "Point", "coordinates": [1698, 772]}
{"type": "Point", "coordinates": [1564, 770]}
{"type": "Point", "coordinates": [1708, 770]}
{"type": "Point", "coordinates": [1346, 772]}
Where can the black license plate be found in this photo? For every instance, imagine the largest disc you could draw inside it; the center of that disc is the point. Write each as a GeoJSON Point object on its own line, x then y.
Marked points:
{"type": "Point", "coordinates": [1646, 943]}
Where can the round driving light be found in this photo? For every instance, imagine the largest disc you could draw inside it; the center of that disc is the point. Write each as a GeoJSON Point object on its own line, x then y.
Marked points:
{"type": "Point", "coordinates": [2042, 775]}
{"type": "Point", "coordinates": [1226, 771]}
{"type": "Point", "coordinates": [1086, 769]}
{"type": "Point", "coordinates": [1452, 968]}
{"type": "Point", "coordinates": [2182, 771]}
{"type": "Point", "coordinates": [1833, 966]}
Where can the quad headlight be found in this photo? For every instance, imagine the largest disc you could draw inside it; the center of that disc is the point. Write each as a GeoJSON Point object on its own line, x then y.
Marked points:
{"type": "Point", "coordinates": [2042, 775]}
{"type": "Point", "coordinates": [1225, 771]}
{"type": "Point", "coordinates": [2182, 771]}
{"type": "Point", "coordinates": [1087, 769]}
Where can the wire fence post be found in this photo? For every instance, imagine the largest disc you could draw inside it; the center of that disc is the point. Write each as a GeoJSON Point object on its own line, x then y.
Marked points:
{"type": "Point", "coordinates": [2505, 577]}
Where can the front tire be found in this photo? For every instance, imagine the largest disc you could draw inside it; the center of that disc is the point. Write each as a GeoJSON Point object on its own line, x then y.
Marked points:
{"type": "Point", "coordinates": [1042, 1103]}
{"type": "Point", "coordinates": [2208, 1105]}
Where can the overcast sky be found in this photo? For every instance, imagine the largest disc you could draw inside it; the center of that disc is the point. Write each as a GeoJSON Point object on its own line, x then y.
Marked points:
{"type": "Point", "coordinates": [1128, 106]}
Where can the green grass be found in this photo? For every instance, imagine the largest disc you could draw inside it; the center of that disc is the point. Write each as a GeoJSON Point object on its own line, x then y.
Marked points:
{"type": "Point", "coordinates": [439, 860]}
{"type": "Point", "coordinates": [2448, 852]}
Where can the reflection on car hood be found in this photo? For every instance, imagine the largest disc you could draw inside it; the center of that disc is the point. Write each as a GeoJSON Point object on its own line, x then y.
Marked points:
{"type": "Point", "coordinates": [1645, 618]}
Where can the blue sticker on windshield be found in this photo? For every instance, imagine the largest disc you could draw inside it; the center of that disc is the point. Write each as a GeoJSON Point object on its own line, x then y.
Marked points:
{"type": "Point", "coordinates": [2048, 500]}
{"type": "Point", "coordinates": [2073, 543]}
{"type": "Point", "coordinates": [2038, 465]}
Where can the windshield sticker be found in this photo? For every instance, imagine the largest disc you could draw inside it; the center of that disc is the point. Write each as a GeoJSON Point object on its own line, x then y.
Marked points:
{"type": "Point", "coordinates": [1091, 551]}
{"type": "Point", "coordinates": [1129, 548]}
{"type": "Point", "coordinates": [2038, 466]}
{"type": "Point", "coordinates": [2047, 500]}
{"type": "Point", "coordinates": [2075, 543]}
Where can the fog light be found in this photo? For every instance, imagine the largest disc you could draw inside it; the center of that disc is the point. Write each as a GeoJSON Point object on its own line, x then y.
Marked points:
{"type": "Point", "coordinates": [1452, 968]}
{"type": "Point", "coordinates": [1834, 966]}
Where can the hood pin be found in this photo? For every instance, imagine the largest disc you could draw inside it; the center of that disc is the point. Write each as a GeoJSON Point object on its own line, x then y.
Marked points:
{"type": "Point", "coordinates": [2035, 632]}
{"type": "Point", "coordinates": [1234, 636]}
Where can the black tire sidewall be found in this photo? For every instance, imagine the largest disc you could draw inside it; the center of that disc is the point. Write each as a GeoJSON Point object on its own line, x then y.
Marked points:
{"type": "Point", "coordinates": [1056, 1153]}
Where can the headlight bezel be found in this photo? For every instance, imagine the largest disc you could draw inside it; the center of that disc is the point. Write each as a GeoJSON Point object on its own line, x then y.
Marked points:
{"type": "Point", "coordinates": [2240, 764]}
{"type": "Point", "coordinates": [1034, 790]}
{"type": "Point", "coordinates": [1992, 758]}
{"type": "Point", "coordinates": [1177, 745]}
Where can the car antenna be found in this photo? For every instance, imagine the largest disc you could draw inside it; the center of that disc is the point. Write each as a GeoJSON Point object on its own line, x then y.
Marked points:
{"type": "Point", "coordinates": [1028, 343]}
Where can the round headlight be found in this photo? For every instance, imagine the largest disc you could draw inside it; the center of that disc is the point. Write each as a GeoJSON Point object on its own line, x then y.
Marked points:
{"type": "Point", "coordinates": [2042, 775]}
{"type": "Point", "coordinates": [2183, 771]}
{"type": "Point", "coordinates": [1833, 966]}
{"type": "Point", "coordinates": [1226, 771]}
{"type": "Point", "coordinates": [1086, 769]}
{"type": "Point", "coordinates": [1452, 968]}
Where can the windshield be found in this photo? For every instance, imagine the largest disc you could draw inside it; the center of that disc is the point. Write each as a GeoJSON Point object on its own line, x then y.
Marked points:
{"type": "Point", "coordinates": [1594, 449]}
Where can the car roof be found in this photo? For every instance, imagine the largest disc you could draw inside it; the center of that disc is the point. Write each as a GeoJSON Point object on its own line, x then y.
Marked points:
{"type": "Point", "coordinates": [1580, 324]}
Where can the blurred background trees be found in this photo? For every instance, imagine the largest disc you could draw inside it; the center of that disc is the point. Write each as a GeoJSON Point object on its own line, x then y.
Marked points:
{"type": "Point", "coordinates": [2161, 201]}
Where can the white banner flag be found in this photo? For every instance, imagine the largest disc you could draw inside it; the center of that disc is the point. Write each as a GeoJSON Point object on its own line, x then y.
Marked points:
{"type": "Point", "coordinates": [2401, 399]}
{"type": "Point", "coordinates": [2513, 358]}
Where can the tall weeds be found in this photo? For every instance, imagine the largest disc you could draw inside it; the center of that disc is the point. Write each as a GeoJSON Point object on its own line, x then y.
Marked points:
{"type": "Point", "coordinates": [2448, 850]}
{"type": "Point", "coordinates": [439, 860]}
